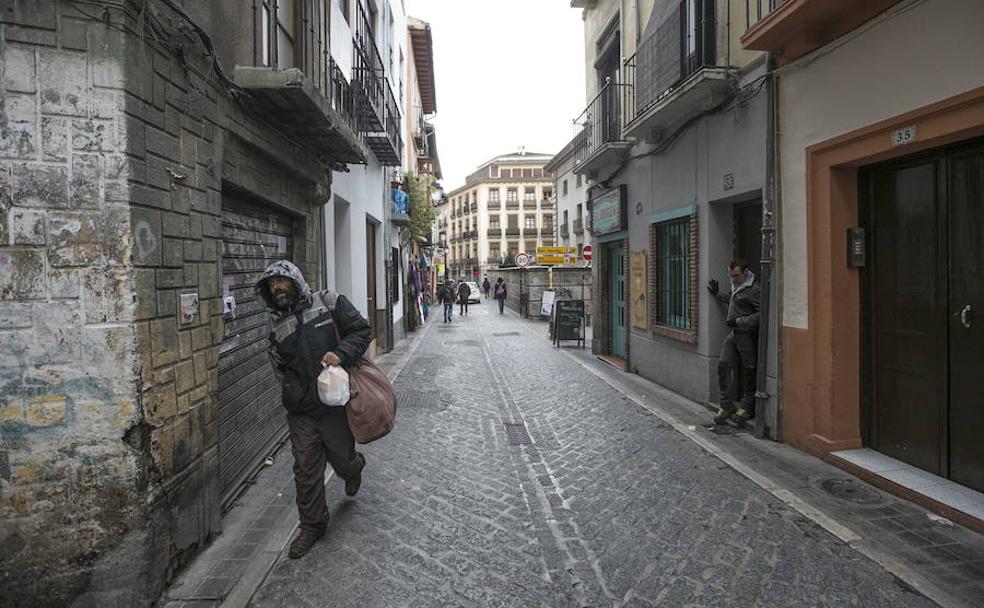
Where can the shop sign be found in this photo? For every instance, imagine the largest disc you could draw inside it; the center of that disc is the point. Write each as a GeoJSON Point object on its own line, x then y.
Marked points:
{"type": "Point", "coordinates": [608, 211]}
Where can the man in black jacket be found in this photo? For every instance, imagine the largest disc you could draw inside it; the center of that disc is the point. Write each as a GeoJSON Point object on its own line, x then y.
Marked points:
{"type": "Point", "coordinates": [738, 353]}
{"type": "Point", "coordinates": [303, 340]}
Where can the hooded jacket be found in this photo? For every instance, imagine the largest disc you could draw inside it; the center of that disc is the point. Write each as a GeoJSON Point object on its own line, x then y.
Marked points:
{"type": "Point", "coordinates": [300, 336]}
{"type": "Point", "coordinates": [743, 304]}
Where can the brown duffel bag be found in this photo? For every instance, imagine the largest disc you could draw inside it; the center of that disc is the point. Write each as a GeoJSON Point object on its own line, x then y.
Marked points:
{"type": "Point", "coordinates": [371, 409]}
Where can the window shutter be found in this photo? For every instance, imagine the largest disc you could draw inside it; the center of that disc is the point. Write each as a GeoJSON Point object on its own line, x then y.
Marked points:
{"type": "Point", "coordinates": [669, 42]}
{"type": "Point", "coordinates": [658, 63]}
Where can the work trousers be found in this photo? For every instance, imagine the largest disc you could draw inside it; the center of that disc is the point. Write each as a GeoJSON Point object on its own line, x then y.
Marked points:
{"type": "Point", "coordinates": [316, 442]}
{"type": "Point", "coordinates": [737, 361]}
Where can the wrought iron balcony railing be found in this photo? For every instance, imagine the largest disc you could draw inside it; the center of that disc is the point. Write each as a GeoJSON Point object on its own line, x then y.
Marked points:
{"type": "Point", "coordinates": [565, 231]}
{"type": "Point", "coordinates": [578, 226]}
{"type": "Point", "coordinates": [601, 122]}
{"type": "Point", "coordinates": [379, 113]}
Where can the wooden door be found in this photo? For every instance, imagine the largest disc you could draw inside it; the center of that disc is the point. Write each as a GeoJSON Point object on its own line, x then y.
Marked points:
{"type": "Point", "coordinates": [371, 277]}
{"type": "Point", "coordinates": [966, 315]}
{"type": "Point", "coordinates": [907, 311]}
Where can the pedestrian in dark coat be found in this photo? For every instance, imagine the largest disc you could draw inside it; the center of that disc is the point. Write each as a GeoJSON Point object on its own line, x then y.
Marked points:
{"type": "Point", "coordinates": [303, 341]}
{"type": "Point", "coordinates": [464, 292]}
{"type": "Point", "coordinates": [486, 287]}
{"type": "Point", "coordinates": [500, 293]}
{"type": "Point", "coordinates": [447, 298]}
{"type": "Point", "coordinates": [739, 351]}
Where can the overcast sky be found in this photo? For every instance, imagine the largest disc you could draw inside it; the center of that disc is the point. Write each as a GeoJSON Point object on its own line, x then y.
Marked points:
{"type": "Point", "coordinates": [509, 73]}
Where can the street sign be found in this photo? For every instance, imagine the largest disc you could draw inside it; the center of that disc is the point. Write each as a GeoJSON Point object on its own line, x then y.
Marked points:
{"type": "Point", "coordinates": [586, 253]}
{"type": "Point", "coordinates": [522, 260]}
{"type": "Point", "coordinates": [546, 251]}
{"type": "Point", "coordinates": [552, 260]}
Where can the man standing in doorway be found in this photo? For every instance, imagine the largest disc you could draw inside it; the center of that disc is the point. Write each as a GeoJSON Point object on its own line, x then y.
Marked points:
{"type": "Point", "coordinates": [308, 332]}
{"type": "Point", "coordinates": [500, 293]}
{"type": "Point", "coordinates": [486, 287]}
{"type": "Point", "coordinates": [464, 293]}
{"type": "Point", "coordinates": [738, 353]}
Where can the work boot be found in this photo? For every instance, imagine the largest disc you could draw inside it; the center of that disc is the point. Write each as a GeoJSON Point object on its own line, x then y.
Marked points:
{"type": "Point", "coordinates": [742, 416]}
{"type": "Point", "coordinates": [304, 541]}
{"type": "Point", "coordinates": [352, 485]}
{"type": "Point", "coordinates": [723, 414]}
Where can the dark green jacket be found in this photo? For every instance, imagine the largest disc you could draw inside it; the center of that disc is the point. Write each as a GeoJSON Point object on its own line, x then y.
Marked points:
{"type": "Point", "coordinates": [743, 306]}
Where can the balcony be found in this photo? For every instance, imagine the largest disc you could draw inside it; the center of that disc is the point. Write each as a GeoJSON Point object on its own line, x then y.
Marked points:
{"type": "Point", "coordinates": [547, 204]}
{"type": "Point", "coordinates": [598, 140]}
{"type": "Point", "coordinates": [565, 231]}
{"type": "Point", "coordinates": [379, 114]}
{"type": "Point", "coordinates": [495, 205]}
{"type": "Point", "coordinates": [494, 233]}
{"type": "Point", "coordinates": [546, 230]}
{"type": "Point", "coordinates": [578, 227]}
{"type": "Point", "coordinates": [299, 89]}
{"type": "Point", "coordinates": [529, 205]}
{"type": "Point", "coordinates": [512, 205]}
{"type": "Point", "coordinates": [793, 28]}
{"type": "Point", "coordinates": [512, 232]}
{"type": "Point", "coordinates": [474, 207]}
{"type": "Point", "coordinates": [673, 83]}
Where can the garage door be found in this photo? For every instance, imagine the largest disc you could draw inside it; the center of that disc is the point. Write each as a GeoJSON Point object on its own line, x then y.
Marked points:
{"type": "Point", "coordinates": [251, 419]}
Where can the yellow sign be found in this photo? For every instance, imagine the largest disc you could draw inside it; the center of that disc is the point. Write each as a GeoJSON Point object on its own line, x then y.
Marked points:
{"type": "Point", "coordinates": [549, 251]}
{"type": "Point", "coordinates": [551, 260]}
{"type": "Point", "coordinates": [638, 285]}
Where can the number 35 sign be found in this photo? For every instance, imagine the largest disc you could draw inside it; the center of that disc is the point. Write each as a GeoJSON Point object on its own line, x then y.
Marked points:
{"type": "Point", "coordinates": [903, 136]}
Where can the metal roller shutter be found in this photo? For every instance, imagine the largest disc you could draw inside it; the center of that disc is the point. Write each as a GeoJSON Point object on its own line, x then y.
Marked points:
{"type": "Point", "coordinates": [251, 419]}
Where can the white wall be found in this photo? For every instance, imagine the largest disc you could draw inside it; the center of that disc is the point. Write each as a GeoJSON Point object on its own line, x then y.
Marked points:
{"type": "Point", "coordinates": [928, 53]}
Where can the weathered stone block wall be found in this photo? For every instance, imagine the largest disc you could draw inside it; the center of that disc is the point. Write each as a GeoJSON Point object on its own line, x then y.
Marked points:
{"type": "Point", "coordinates": [118, 143]}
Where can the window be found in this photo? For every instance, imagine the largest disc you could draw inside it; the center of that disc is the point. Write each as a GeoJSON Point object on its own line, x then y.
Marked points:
{"type": "Point", "coordinates": [579, 212]}
{"type": "Point", "coordinates": [344, 5]}
{"type": "Point", "coordinates": [512, 196]}
{"type": "Point", "coordinates": [494, 195]}
{"type": "Point", "coordinates": [547, 193]}
{"type": "Point", "coordinates": [527, 172]}
{"type": "Point", "coordinates": [513, 220]}
{"type": "Point", "coordinates": [530, 222]}
{"type": "Point", "coordinates": [494, 222]}
{"type": "Point", "coordinates": [565, 217]}
{"type": "Point", "coordinates": [512, 247]}
{"type": "Point", "coordinates": [547, 221]}
{"type": "Point", "coordinates": [577, 182]}
{"type": "Point", "coordinates": [505, 173]}
{"type": "Point", "coordinates": [494, 253]}
{"type": "Point", "coordinates": [674, 272]}
{"type": "Point", "coordinates": [529, 195]}
{"type": "Point", "coordinates": [563, 189]}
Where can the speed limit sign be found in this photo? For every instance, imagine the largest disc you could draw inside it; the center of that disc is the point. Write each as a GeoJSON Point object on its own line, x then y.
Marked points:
{"type": "Point", "coordinates": [522, 260]}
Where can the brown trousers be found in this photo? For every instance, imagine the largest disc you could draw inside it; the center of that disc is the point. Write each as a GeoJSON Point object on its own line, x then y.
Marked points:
{"type": "Point", "coordinates": [316, 442]}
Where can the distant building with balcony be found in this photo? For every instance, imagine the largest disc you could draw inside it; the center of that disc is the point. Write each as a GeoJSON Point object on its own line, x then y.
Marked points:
{"type": "Point", "coordinates": [505, 207]}
{"type": "Point", "coordinates": [571, 196]}
{"type": "Point", "coordinates": [673, 140]}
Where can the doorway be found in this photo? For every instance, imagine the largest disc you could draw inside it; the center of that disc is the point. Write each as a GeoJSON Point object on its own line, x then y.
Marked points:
{"type": "Point", "coordinates": [923, 287]}
{"type": "Point", "coordinates": [617, 290]}
{"type": "Point", "coordinates": [747, 236]}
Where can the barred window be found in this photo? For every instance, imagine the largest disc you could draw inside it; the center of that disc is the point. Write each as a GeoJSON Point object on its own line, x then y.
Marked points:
{"type": "Point", "coordinates": [673, 274]}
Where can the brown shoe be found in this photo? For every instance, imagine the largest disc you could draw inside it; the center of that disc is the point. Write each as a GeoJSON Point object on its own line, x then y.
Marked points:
{"type": "Point", "coordinates": [304, 541]}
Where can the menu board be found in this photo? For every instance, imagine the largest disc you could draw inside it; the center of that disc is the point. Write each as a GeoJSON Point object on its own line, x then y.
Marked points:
{"type": "Point", "coordinates": [569, 316]}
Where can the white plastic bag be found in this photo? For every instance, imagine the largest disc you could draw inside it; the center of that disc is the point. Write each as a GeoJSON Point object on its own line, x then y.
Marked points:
{"type": "Point", "coordinates": [333, 386]}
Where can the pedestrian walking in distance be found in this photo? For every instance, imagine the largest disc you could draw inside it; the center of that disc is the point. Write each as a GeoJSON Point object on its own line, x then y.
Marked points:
{"type": "Point", "coordinates": [486, 287]}
{"type": "Point", "coordinates": [302, 341]}
{"type": "Point", "coordinates": [739, 351]}
{"type": "Point", "coordinates": [500, 293]}
{"type": "Point", "coordinates": [447, 298]}
{"type": "Point", "coordinates": [464, 292]}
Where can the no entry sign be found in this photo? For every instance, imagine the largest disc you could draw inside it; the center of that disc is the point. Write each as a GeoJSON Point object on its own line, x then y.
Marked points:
{"type": "Point", "coordinates": [586, 253]}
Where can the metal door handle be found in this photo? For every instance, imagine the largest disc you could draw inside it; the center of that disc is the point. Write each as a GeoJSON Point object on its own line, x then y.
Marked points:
{"type": "Point", "coordinates": [966, 315]}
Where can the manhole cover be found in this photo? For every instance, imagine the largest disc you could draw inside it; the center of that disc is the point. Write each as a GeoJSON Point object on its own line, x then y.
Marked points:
{"type": "Point", "coordinates": [505, 333]}
{"type": "Point", "coordinates": [517, 434]}
{"type": "Point", "coordinates": [851, 490]}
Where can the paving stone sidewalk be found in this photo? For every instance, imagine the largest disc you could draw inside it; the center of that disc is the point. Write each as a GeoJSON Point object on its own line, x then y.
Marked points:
{"type": "Point", "coordinates": [516, 478]}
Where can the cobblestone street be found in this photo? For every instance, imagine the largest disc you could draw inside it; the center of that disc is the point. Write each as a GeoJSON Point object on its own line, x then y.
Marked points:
{"type": "Point", "coordinates": [516, 478]}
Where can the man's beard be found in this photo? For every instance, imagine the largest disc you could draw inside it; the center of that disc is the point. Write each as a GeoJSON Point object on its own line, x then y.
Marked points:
{"type": "Point", "coordinates": [285, 300]}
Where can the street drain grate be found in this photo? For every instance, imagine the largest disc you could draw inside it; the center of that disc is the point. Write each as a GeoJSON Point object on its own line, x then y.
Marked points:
{"type": "Point", "coordinates": [850, 490]}
{"type": "Point", "coordinates": [517, 434]}
{"type": "Point", "coordinates": [463, 342]}
{"type": "Point", "coordinates": [422, 400]}
{"type": "Point", "coordinates": [505, 333]}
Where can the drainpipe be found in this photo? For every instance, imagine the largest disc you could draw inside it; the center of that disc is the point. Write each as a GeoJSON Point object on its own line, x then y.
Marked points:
{"type": "Point", "coordinates": [769, 205]}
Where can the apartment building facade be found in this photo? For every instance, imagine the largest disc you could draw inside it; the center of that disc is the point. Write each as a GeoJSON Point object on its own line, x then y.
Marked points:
{"type": "Point", "coordinates": [505, 207]}
{"type": "Point", "coordinates": [156, 158]}
{"type": "Point", "coordinates": [571, 197]}
{"type": "Point", "coordinates": [881, 163]}
{"type": "Point", "coordinates": [673, 140]}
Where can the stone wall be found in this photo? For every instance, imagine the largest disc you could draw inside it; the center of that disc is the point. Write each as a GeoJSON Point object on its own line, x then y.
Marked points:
{"type": "Point", "coordinates": [118, 143]}
{"type": "Point", "coordinates": [534, 281]}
